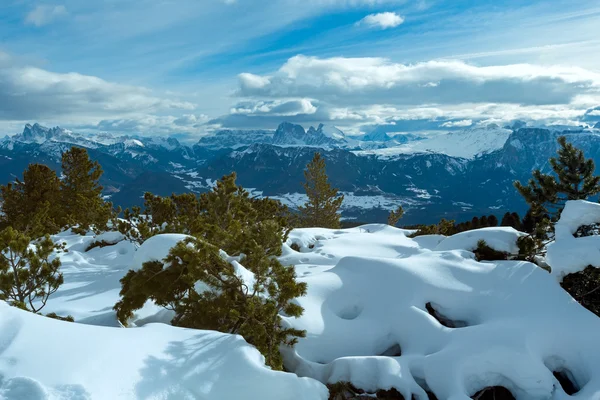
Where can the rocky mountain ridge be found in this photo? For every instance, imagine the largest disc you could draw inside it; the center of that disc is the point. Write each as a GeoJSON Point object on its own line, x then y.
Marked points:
{"type": "Point", "coordinates": [429, 184]}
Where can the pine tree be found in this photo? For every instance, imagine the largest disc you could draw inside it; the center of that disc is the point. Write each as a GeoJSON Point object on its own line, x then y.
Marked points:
{"type": "Point", "coordinates": [573, 179]}
{"type": "Point", "coordinates": [28, 276]}
{"type": "Point", "coordinates": [483, 221]}
{"type": "Point", "coordinates": [492, 220]}
{"type": "Point", "coordinates": [395, 216]}
{"type": "Point", "coordinates": [81, 192]}
{"type": "Point", "coordinates": [32, 205]}
{"type": "Point", "coordinates": [513, 220]}
{"type": "Point", "coordinates": [323, 204]}
{"type": "Point", "coordinates": [253, 229]}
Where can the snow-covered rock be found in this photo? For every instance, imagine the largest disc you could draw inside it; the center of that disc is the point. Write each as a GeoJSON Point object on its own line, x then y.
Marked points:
{"type": "Point", "coordinates": [498, 238]}
{"type": "Point", "coordinates": [156, 248]}
{"type": "Point", "coordinates": [568, 254]}
{"type": "Point", "coordinates": [368, 322]}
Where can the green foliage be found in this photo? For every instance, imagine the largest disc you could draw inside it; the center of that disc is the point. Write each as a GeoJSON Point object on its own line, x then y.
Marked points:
{"type": "Point", "coordinates": [449, 227]}
{"type": "Point", "coordinates": [225, 218]}
{"type": "Point", "coordinates": [135, 226]}
{"type": "Point", "coordinates": [321, 209]}
{"type": "Point", "coordinates": [222, 216]}
{"type": "Point", "coordinates": [444, 227]}
{"type": "Point", "coordinates": [512, 220]}
{"type": "Point", "coordinates": [483, 252]}
{"type": "Point", "coordinates": [31, 205]}
{"type": "Point", "coordinates": [573, 179]}
{"type": "Point", "coordinates": [28, 273]}
{"type": "Point", "coordinates": [584, 286]}
{"type": "Point", "coordinates": [395, 216]}
{"type": "Point", "coordinates": [68, 318]}
{"type": "Point", "coordinates": [81, 194]}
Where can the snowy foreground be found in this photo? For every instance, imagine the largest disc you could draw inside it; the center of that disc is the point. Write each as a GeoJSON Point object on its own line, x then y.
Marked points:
{"type": "Point", "coordinates": [375, 313]}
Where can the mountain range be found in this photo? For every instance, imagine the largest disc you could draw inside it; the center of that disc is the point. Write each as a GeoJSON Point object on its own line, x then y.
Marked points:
{"type": "Point", "coordinates": [454, 175]}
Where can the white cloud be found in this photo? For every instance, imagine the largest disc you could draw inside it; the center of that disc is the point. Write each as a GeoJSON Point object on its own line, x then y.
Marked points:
{"type": "Point", "coordinates": [355, 81]}
{"type": "Point", "coordinates": [45, 14]}
{"type": "Point", "coordinates": [281, 108]}
{"type": "Point", "coordinates": [383, 20]}
{"type": "Point", "coordinates": [456, 124]}
{"type": "Point", "coordinates": [191, 120]}
{"type": "Point", "coordinates": [29, 93]}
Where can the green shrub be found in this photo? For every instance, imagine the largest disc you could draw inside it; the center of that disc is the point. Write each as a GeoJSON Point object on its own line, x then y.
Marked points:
{"type": "Point", "coordinates": [28, 274]}
{"type": "Point", "coordinates": [68, 318]}
{"type": "Point", "coordinates": [252, 229]}
{"type": "Point", "coordinates": [483, 252]}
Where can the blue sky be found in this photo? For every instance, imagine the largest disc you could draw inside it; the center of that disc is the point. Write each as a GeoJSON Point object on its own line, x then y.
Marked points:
{"type": "Point", "coordinates": [189, 66]}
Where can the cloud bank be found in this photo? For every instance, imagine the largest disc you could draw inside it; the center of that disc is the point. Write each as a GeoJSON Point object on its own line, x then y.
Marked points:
{"type": "Point", "coordinates": [351, 92]}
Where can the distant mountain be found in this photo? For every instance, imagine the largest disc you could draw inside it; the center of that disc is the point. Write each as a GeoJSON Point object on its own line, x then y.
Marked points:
{"type": "Point", "coordinates": [377, 136]}
{"type": "Point", "coordinates": [233, 139]}
{"type": "Point", "coordinates": [467, 143]}
{"type": "Point", "coordinates": [455, 175]}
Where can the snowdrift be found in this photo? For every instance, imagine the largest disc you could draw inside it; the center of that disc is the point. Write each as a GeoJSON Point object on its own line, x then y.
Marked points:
{"type": "Point", "coordinates": [568, 254]}
{"type": "Point", "coordinates": [382, 311]}
{"type": "Point", "coordinates": [42, 358]}
{"type": "Point", "coordinates": [378, 315]}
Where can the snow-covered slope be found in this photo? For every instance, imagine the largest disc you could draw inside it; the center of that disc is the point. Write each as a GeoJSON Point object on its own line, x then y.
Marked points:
{"type": "Point", "coordinates": [382, 311]}
{"type": "Point", "coordinates": [42, 358]}
{"type": "Point", "coordinates": [514, 325]}
{"type": "Point", "coordinates": [467, 143]}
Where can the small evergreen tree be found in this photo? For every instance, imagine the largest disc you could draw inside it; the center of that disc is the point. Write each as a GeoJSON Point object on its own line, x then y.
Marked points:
{"type": "Point", "coordinates": [323, 204]}
{"type": "Point", "coordinates": [484, 252]}
{"type": "Point", "coordinates": [227, 219]}
{"type": "Point", "coordinates": [492, 220]}
{"type": "Point", "coordinates": [573, 179]}
{"type": "Point", "coordinates": [28, 276]}
{"type": "Point", "coordinates": [81, 192]}
{"type": "Point", "coordinates": [483, 222]}
{"type": "Point", "coordinates": [513, 220]}
{"type": "Point", "coordinates": [444, 227]}
{"type": "Point", "coordinates": [395, 216]}
{"type": "Point", "coordinates": [32, 205]}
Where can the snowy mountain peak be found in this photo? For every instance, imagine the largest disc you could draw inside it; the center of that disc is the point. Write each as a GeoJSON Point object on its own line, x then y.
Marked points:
{"type": "Point", "coordinates": [328, 131]}
{"type": "Point", "coordinates": [289, 134]}
{"type": "Point", "coordinates": [467, 143]}
{"type": "Point", "coordinates": [377, 135]}
{"type": "Point", "coordinates": [37, 133]}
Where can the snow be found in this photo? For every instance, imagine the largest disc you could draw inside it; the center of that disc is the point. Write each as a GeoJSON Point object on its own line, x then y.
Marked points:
{"type": "Point", "coordinates": [498, 238]}
{"type": "Point", "coordinates": [520, 324]}
{"type": "Point", "coordinates": [467, 143]}
{"type": "Point", "coordinates": [42, 358]}
{"type": "Point", "coordinates": [568, 254]}
{"type": "Point", "coordinates": [156, 249]}
{"type": "Point", "coordinates": [367, 315]}
{"type": "Point", "coordinates": [355, 201]}
{"type": "Point", "coordinates": [333, 132]}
